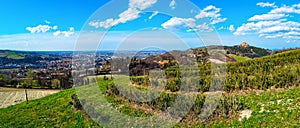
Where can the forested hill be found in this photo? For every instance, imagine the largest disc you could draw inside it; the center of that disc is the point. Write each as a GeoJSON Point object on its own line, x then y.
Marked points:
{"type": "Point", "coordinates": [248, 51]}
{"type": "Point", "coordinates": [244, 50]}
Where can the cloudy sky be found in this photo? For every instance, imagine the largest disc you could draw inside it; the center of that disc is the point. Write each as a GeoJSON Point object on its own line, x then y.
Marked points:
{"type": "Point", "coordinates": [64, 25]}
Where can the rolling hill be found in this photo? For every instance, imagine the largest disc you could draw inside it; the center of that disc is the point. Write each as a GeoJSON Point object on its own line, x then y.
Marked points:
{"type": "Point", "coordinates": [261, 92]}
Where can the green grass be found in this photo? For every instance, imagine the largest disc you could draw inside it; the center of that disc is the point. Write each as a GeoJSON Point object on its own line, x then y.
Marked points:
{"type": "Point", "coordinates": [270, 109]}
{"type": "Point", "coordinates": [238, 58]}
{"type": "Point", "coordinates": [50, 111]}
{"type": "Point", "coordinates": [12, 55]}
{"type": "Point", "coordinates": [281, 109]}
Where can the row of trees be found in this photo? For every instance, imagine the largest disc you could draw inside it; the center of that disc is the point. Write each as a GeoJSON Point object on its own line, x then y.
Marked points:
{"type": "Point", "coordinates": [37, 80]}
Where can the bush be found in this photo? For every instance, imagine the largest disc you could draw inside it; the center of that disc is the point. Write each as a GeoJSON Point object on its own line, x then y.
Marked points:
{"type": "Point", "coordinates": [75, 102]}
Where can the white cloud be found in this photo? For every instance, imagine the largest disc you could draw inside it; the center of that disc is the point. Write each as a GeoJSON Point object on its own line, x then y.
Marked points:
{"type": "Point", "coordinates": [289, 36]}
{"type": "Point", "coordinates": [47, 28]}
{"type": "Point", "coordinates": [141, 4]}
{"type": "Point", "coordinates": [130, 14]}
{"type": "Point", "coordinates": [287, 9]}
{"type": "Point", "coordinates": [38, 29]}
{"type": "Point", "coordinates": [72, 29]}
{"type": "Point", "coordinates": [57, 33]}
{"type": "Point", "coordinates": [205, 27]}
{"type": "Point", "coordinates": [192, 24]}
{"type": "Point", "coordinates": [135, 8]}
{"type": "Point", "coordinates": [221, 28]}
{"type": "Point", "coordinates": [47, 22]}
{"type": "Point", "coordinates": [188, 24]}
{"type": "Point", "coordinates": [211, 12]}
{"type": "Point", "coordinates": [231, 28]}
{"type": "Point", "coordinates": [254, 27]}
{"type": "Point", "coordinates": [55, 27]}
{"type": "Point", "coordinates": [172, 4]}
{"type": "Point", "coordinates": [283, 26]}
{"type": "Point", "coordinates": [266, 4]}
{"type": "Point", "coordinates": [37, 42]}
{"type": "Point", "coordinates": [65, 33]}
{"type": "Point", "coordinates": [269, 16]}
{"type": "Point", "coordinates": [153, 14]}
{"type": "Point", "coordinates": [176, 23]}
{"type": "Point", "coordinates": [274, 24]}
{"type": "Point", "coordinates": [270, 29]}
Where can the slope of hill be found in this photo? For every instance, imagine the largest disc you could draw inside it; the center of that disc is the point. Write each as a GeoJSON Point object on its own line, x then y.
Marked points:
{"type": "Point", "coordinates": [51, 111]}
{"type": "Point", "coordinates": [249, 51]}
{"type": "Point", "coordinates": [267, 109]}
{"type": "Point", "coordinates": [12, 54]}
{"type": "Point", "coordinates": [251, 100]}
{"type": "Point", "coordinates": [238, 58]}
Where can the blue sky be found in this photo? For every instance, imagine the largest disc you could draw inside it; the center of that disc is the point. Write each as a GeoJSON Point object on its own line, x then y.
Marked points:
{"type": "Point", "coordinates": [59, 24]}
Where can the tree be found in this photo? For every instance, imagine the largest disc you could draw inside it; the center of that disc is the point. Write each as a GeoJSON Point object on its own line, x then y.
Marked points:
{"type": "Point", "coordinates": [28, 82]}
{"type": "Point", "coordinates": [2, 79]}
{"type": "Point", "coordinates": [55, 83]}
{"type": "Point", "coordinates": [29, 78]}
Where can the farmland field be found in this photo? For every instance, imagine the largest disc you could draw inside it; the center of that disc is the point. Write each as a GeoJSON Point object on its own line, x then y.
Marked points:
{"type": "Point", "coordinates": [11, 96]}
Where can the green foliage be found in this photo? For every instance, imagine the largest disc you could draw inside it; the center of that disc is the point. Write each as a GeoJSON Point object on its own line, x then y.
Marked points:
{"type": "Point", "coordinates": [55, 83]}
{"type": "Point", "coordinates": [249, 51]}
{"type": "Point", "coordinates": [238, 58]}
{"type": "Point", "coordinates": [50, 111]}
{"type": "Point", "coordinates": [1, 77]}
{"type": "Point", "coordinates": [56, 111]}
{"type": "Point", "coordinates": [270, 108]}
{"type": "Point", "coordinates": [279, 71]}
{"type": "Point", "coordinates": [14, 55]}
{"type": "Point", "coordinates": [29, 79]}
{"type": "Point", "coordinates": [75, 102]}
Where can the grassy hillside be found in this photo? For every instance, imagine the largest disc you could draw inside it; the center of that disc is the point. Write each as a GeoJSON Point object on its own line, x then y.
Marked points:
{"type": "Point", "coordinates": [238, 58]}
{"type": "Point", "coordinates": [50, 111]}
{"type": "Point", "coordinates": [265, 91]}
{"type": "Point", "coordinates": [269, 109]}
{"type": "Point", "coordinates": [12, 55]}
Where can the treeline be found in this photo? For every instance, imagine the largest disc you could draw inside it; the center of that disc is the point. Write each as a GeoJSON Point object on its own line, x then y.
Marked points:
{"type": "Point", "coordinates": [34, 79]}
